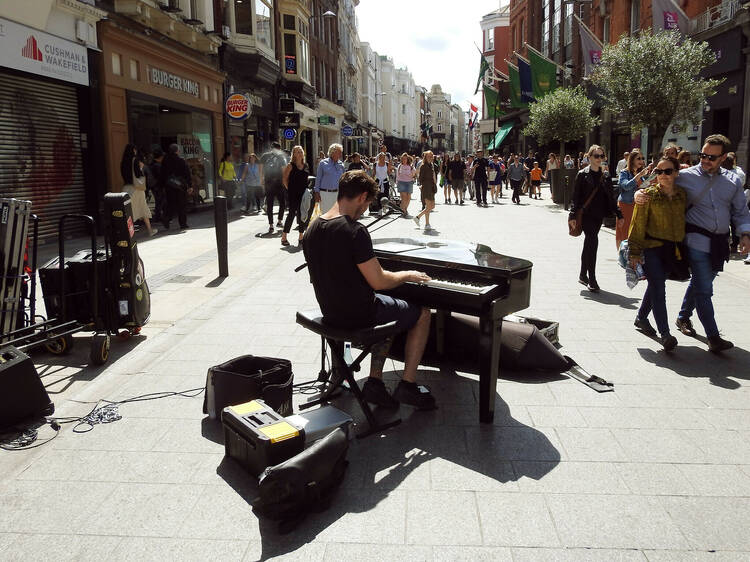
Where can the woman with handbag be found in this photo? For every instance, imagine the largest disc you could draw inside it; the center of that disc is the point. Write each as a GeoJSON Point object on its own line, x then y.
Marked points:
{"type": "Point", "coordinates": [131, 169]}
{"type": "Point", "coordinates": [228, 178]}
{"type": "Point", "coordinates": [631, 179]}
{"type": "Point", "coordinates": [656, 233]}
{"type": "Point", "coordinates": [593, 199]}
{"type": "Point", "coordinates": [427, 181]}
{"type": "Point", "coordinates": [294, 179]}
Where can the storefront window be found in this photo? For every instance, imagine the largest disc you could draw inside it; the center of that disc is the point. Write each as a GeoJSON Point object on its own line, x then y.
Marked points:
{"type": "Point", "coordinates": [155, 124]}
{"type": "Point", "coordinates": [243, 17]}
{"type": "Point", "coordinates": [263, 21]}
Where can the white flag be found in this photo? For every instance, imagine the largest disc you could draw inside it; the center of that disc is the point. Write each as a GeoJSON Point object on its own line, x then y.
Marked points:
{"type": "Point", "coordinates": [668, 16]}
{"type": "Point", "coordinates": [591, 49]}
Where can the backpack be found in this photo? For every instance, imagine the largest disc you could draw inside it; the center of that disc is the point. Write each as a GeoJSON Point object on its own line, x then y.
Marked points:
{"type": "Point", "coordinates": [305, 483]}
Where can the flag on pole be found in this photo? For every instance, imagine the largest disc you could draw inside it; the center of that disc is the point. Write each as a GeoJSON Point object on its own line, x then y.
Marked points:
{"type": "Point", "coordinates": [543, 73]}
{"type": "Point", "coordinates": [473, 112]}
{"type": "Point", "coordinates": [484, 66]}
{"type": "Point", "coordinates": [668, 16]}
{"type": "Point", "coordinates": [524, 73]}
{"type": "Point", "coordinates": [492, 99]}
{"type": "Point", "coordinates": [591, 47]}
{"type": "Point", "coordinates": [515, 86]}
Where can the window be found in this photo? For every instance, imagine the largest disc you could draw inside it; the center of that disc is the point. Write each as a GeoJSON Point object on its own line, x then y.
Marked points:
{"type": "Point", "coordinates": [635, 16]}
{"type": "Point", "coordinates": [489, 40]}
{"type": "Point", "coordinates": [403, 131]}
{"type": "Point", "coordinates": [439, 127]}
{"type": "Point", "coordinates": [263, 21]}
{"type": "Point", "coordinates": [605, 30]}
{"type": "Point", "coordinates": [302, 61]}
{"type": "Point", "coordinates": [243, 17]}
{"type": "Point", "coordinates": [134, 69]}
{"type": "Point", "coordinates": [290, 53]}
{"type": "Point", "coordinates": [568, 38]}
{"type": "Point", "coordinates": [116, 64]}
{"type": "Point", "coordinates": [440, 114]}
{"type": "Point", "coordinates": [289, 21]}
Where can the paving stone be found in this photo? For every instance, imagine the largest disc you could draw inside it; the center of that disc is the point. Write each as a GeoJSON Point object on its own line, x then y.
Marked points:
{"type": "Point", "coordinates": [469, 474]}
{"type": "Point", "coordinates": [556, 416]}
{"type": "Point", "coordinates": [651, 479]}
{"type": "Point", "coordinates": [149, 548]}
{"type": "Point", "coordinates": [516, 520]}
{"type": "Point", "coordinates": [692, 556]}
{"type": "Point", "coordinates": [569, 477]}
{"type": "Point", "coordinates": [590, 444]}
{"type": "Point", "coordinates": [61, 547]}
{"type": "Point", "coordinates": [621, 522]}
{"type": "Point", "coordinates": [513, 443]}
{"type": "Point", "coordinates": [619, 417]}
{"type": "Point", "coordinates": [711, 523]}
{"type": "Point", "coordinates": [130, 434]}
{"type": "Point", "coordinates": [659, 445]}
{"type": "Point", "coordinates": [732, 447]}
{"type": "Point", "coordinates": [442, 518]}
{"type": "Point", "coordinates": [335, 552]}
{"type": "Point", "coordinates": [472, 554]}
{"type": "Point", "coordinates": [576, 555]}
{"type": "Point", "coordinates": [717, 480]}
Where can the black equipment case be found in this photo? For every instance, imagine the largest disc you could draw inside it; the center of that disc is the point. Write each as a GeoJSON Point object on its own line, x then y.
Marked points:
{"type": "Point", "coordinates": [22, 394]}
{"type": "Point", "coordinates": [257, 437]}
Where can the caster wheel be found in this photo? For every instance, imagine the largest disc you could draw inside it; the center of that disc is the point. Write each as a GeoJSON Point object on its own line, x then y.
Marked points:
{"type": "Point", "coordinates": [99, 349]}
{"type": "Point", "coordinates": [124, 334]}
{"type": "Point", "coordinates": [60, 346]}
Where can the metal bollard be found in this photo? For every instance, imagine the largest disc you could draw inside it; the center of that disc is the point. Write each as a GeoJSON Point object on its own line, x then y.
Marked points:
{"type": "Point", "coordinates": [220, 223]}
{"type": "Point", "coordinates": [566, 193]}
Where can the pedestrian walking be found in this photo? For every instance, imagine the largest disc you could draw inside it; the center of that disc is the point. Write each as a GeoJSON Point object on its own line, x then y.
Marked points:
{"type": "Point", "coordinates": [631, 179]}
{"type": "Point", "coordinates": [381, 172]}
{"type": "Point", "coordinates": [456, 170]}
{"type": "Point", "coordinates": [428, 185]}
{"type": "Point", "coordinates": [536, 176]}
{"type": "Point", "coordinates": [253, 184]}
{"type": "Point", "coordinates": [228, 179]}
{"type": "Point", "coordinates": [327, 178]}
{"type": "Point", "coordinates": [131, 169]}
{"type": "Point", "coordinates": [656, 233]}
{"type": "Point", "coordinates": [568, 163]}
{"type": "Point", "coordinates": [178, 184]}
{"type": "Point", "coordinates": [480, 178]}
{"type": "Point", "coordinates": [495, 178]}
{"type": "Point", "coordinates": [294, 179]}
{"type": "Point", "coordinates": [469, 177]}
{"type": "Point", "coordinates": [593, 195]}
{"type": "Point", "coordinates": [154, 185]}
{"type": "Point", "coordinates": [516, 174]}
{"type": "Point", "coordinates": [405, 174]}
{"type": "Point", "coordinates": [273, 163]}
{"type": "Point", "coordinates": [622, 164]}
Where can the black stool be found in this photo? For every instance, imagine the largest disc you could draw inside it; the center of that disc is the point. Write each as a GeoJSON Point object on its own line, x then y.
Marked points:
{"type": "Point", "coordinates": [364, 339]}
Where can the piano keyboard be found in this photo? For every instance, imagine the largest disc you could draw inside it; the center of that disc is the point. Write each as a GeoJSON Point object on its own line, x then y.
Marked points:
{"type": "Point", "coordinates": [469, 288]}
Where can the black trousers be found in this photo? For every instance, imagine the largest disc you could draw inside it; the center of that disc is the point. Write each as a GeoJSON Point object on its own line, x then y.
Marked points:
{"type": "Point", "coordinates": [481, 189]}
{"type": "Point", "coordinates": [275, 192]}
{"type": "Point", "coordinates": [591, 226]}
{"type": "Point", "coordinates": [295, 199]}
{"type": "Point", "coordinates": [516, 185]}
{"type": "Point", "coordinates": [176, 205]}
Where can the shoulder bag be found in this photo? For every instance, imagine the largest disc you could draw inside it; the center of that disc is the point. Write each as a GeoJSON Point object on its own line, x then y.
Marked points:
{"type": "Point", "coordinates": [578, 228]}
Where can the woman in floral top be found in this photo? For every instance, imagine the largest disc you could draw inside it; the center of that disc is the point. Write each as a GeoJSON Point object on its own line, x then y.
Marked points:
{"type": "Point", "coordinates": [655, 231]}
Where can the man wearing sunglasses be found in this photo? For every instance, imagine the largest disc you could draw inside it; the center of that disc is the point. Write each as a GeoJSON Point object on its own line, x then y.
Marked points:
{"type": "Point", "coordinates": [715, 199]}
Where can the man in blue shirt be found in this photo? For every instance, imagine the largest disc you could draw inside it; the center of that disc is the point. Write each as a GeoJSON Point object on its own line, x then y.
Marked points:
{"type": "Point", "coordinates": [327, 178]}
{"type": "Point", "coordinates": [715, 198]}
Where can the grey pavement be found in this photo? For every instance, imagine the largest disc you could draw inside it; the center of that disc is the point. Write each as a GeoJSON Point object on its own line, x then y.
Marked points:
{"type": "Point", "coordinates": [657, 470]}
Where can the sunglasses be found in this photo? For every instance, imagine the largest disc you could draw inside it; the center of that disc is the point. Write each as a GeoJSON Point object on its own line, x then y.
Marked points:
{"type": "Point", "coordinates": [668, 171]}
{"type": "Point", "coordinates": [710, 157]}
{"type": "Point", "coordinates": [597, 156]}
{"type": "Point", "coordinates": [640, 158]}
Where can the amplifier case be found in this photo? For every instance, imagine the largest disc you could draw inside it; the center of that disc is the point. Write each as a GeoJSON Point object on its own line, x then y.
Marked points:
{"type": "Point", "coordinates": [22, 394]}
{"type": "Point", "coordinates": [257, 437]}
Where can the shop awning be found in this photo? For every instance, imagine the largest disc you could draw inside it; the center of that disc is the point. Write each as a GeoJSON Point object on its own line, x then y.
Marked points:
{"type": "Point", "coordinates": [500, 135]}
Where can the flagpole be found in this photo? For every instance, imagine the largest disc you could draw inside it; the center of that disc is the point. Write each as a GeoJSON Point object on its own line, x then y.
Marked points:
{"type": "Point", "coordinates": [537, 53]}
{"type": "Point", "coordinates": [591, 33]}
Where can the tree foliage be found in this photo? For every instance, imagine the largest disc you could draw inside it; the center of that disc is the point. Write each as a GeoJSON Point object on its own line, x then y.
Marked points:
{"type": "Point", "coordinates": [653, 79]}
{"type": "Point", "coordinates": [564, 115]}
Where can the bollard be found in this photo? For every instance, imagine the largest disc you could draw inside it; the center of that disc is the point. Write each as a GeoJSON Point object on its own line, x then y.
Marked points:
{"type": "Point", "coordinates": [566, 193]}
{"type": "Point", "coordinates": [220, 223]}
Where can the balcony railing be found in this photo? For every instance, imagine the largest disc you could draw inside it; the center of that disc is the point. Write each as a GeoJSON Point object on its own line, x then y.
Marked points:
{"type": "Point", "coordinates": [715, 16]}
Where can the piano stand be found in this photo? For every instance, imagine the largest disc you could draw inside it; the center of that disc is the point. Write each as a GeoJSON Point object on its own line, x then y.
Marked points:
{"type": "Point", "coordinates": [365, 339]}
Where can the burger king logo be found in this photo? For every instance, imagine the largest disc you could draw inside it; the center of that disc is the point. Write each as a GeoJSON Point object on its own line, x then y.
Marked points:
{"type": "Point", "coordinates": [238, 106]}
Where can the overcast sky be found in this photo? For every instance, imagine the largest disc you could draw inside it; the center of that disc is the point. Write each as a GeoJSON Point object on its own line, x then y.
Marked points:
{"type": "Point", "coordinates": [433, 38]}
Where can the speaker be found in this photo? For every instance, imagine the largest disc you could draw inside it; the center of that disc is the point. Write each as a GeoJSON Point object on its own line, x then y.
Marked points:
{"type": "Point", "coordinates": [22, 394]}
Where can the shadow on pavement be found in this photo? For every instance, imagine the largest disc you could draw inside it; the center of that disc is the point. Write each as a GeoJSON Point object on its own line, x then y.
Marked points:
{"type": "Point", "coordinates": [215, 282]}
{"type": "Point", "coordinates": [605, 297]}
{"type": "Point", "coordinates": [693, 361]}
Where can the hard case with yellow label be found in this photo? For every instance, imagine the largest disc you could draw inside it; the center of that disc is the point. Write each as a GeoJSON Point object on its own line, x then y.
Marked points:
{"type": "Point", "coordinates": [257, 437]}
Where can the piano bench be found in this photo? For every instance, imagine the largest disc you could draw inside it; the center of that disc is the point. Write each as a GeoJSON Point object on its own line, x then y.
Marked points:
{"type": "Point", "coordinates": [365, 339]}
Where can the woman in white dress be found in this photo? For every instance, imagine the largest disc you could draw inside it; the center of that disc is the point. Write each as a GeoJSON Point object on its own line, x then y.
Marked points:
{"type": "Point", "coordinates": [131, 169]}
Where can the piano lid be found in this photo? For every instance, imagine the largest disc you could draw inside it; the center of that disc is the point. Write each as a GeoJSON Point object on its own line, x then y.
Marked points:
{"type": "Point", "coordinates": [455, 254]}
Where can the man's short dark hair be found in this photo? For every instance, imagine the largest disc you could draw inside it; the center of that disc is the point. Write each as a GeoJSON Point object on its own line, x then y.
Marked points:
{"type": "Point", "coordinates": [719, 140]}
{"type": "Point", "coordinates": [173, 148]}
{"type": "Point", "coordinates": [356, 182]}
{"type": "Point", "coordinates": [275, 144]}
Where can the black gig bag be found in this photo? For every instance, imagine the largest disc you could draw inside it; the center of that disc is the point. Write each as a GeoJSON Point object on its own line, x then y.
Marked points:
{"type": "Point", "coordinates": [246, 378]}
{"type": "Point", "coordinates": [305, 483]}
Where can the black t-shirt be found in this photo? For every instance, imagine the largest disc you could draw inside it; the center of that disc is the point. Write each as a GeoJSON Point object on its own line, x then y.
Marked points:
{"type": "Point", "coordinates": [481, 171]}
{"type": "Point", "coordinates": [599, 206]}
{"type": "Point", "coordinates": [333, 248]}
{"type": "Point", "coordinates": [457, 169]}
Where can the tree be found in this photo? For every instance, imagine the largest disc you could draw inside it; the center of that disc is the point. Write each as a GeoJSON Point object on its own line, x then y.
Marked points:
{"type": "Point", "coordinates": [654, 79]}
{"type": "Point", "coordinates": [564, 115]}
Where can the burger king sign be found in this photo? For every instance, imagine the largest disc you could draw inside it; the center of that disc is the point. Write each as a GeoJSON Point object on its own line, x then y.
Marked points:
{"type": "Point", "coordinates": [237, 107]}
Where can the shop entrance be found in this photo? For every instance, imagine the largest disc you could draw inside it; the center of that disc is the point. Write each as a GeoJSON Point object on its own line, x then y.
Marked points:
{"type": "Point", "coordinates": [158, 123]}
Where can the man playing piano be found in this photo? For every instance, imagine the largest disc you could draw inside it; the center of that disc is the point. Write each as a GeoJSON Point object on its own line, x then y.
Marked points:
{"type": "Point", "coordinates": [345, 275]}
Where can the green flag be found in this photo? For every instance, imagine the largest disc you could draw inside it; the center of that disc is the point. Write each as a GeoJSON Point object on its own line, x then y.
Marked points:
{"type": "Point", "coordinates": [492, 99]}
{"type": "Point", "coordinates": [543, 74]}
{"type": "Point", "coordinates": [484, 66]}
{"type": "Point", "coordinates": [515, 88]}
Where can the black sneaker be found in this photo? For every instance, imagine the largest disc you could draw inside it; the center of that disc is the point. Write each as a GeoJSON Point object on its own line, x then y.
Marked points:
{"type": "Point", "coordinates": [644, 326]}
{"type": "Point", "coordinates": [685, 326]}
{"type": "Point", "coordinates": [717, 344]}
{"type": "Point", "coordinates": [668, 342]}
{"type": "Point", "coordinates": [415, 395]}
{"type": "Point", "coordinates": [594, 286]}
{"type": "Point", "coordinates": [583, 281]}
{"type": "Point", "coordinates": [375, 392]}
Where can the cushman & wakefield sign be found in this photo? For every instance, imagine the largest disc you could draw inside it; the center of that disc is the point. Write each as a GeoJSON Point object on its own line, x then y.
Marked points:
{"type": "Point", "coordinates": [29, 50]}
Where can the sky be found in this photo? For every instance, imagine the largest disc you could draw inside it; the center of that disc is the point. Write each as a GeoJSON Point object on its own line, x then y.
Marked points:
{"type": "Point", "coordinates": [434, 39]}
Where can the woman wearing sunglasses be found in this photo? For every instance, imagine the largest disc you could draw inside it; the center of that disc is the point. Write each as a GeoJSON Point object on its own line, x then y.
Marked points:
{"type": "Point", "coordinates": [593, 195]}
{"type": "Point", "coordinates": [655, 232]}
{"type": "Point", "coordinates": [631, 179]}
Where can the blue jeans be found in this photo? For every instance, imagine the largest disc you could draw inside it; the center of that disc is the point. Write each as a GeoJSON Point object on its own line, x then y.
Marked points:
{"type": "Point", "coordinates": [655, 298]}
{"type": "Point", "coordinates": [699, 292]}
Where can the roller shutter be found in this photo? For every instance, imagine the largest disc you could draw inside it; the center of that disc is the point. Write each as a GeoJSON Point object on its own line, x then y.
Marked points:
{"type": "Point", "coordinates": [40, 149]}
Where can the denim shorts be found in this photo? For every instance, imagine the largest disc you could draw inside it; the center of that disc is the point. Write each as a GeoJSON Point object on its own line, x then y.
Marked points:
{"type": "Point", "coordinates": [388, 309]}
{"type": "Point", "coordinates": [405, 186]}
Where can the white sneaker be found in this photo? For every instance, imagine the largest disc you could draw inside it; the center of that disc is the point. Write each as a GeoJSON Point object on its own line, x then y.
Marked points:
{"type": "Point", "coordinates": [747, 259]}
{"type": "Point", "coordinates": [416, 220]}
{"type": "Point", "coordinates": [427, 228]}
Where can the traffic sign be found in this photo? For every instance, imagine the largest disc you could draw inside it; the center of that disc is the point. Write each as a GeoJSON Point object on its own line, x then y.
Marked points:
{"type": "Point", "coordinates": [290, 133]}
{"type": "Point", "coordinates": [347, 130]}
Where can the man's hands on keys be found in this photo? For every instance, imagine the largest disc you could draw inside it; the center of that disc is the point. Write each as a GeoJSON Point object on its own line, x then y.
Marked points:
{"type": "Point", "coordinates": [416, 277]}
